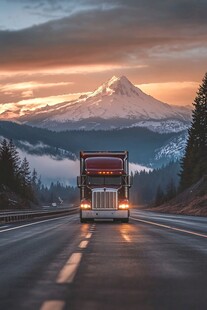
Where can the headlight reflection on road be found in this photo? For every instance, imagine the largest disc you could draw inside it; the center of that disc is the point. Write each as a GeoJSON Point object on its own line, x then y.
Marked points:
{"type": "Point", "coordinates": [126, 237]}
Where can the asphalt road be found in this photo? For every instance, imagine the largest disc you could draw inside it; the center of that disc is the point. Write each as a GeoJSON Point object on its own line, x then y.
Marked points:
{"type": "Point", "coordinates": [153, 262]}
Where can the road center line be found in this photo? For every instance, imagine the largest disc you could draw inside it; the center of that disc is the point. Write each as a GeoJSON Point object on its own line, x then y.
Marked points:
{"type": "Point", "coordinates": [88, 236]}
{"type": "Point", "coordinates": [126, 237]}
{"type": "Point", "coordinates": [170, 227]}
{"type": "Point", "coordinates": [83, 244]}
{"type": "Point", "coordinates": [53, 304]}
{"type": "Point", "coordinates": [68, 272]}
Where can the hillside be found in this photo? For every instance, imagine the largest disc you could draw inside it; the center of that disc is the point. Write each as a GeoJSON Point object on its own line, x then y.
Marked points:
{"type": "Point", "coordinates": [193, 201]}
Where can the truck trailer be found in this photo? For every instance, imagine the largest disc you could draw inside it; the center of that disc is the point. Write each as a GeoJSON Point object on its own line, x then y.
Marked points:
{"type": "Point", "coordinates": [104, 184]}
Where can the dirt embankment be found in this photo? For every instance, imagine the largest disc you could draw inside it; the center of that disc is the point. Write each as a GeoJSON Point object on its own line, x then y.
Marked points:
{"type": "Point", "coordinates": [11, 201]}
{"type": "Point", "coordinates": [192, 201]}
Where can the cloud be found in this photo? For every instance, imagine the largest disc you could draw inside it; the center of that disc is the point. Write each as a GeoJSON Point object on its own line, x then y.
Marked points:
{"type": "Point", "coordinates": [30, 85]}
{"type": "Point", "coordinates": [64, 171]}
{"type": "Point", "coordinates": [27, 93]}
{"type": "Point", "coordinates": [16, 109]}
{"type": "Point", "coordinates": [88, 41]}
{"type": "Point", "coordinates": [133, 33]}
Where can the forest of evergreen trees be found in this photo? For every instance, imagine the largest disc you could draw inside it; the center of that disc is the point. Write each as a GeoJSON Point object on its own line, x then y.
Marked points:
{"type": "Point", "coordinates": [56, 192]}
{"type": "Point", "coordinates": [15, 177]}
{"type": "Point", "coordinates": [19, 188]}
{"type": "Point", "coordinates": [155, 186]}
{"type": "Point", "coordinates": [175, 178]}
{"type": "Point", "coordinates": [194, 162]}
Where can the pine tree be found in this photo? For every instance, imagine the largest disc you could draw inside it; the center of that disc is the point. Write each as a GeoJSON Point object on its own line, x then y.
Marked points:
{"type": "Point", "coordinates": [15, 157]}
{"type": "Point", "coordinates": [25, 180]}
{"type": "Point", "coordinates": [170, 190]}
{"type": "Point", "coordinates": [34, 178]}
{"type": "Point", "coordinates": [9, 164]}
{"type": "Point", "coordinates": [194, 162]}
{"type": "Point", "coordinates": [25, 173]}
{"type": "Point", "coordinates": [14, 175]}
{"type": "Point", "coordinates": [160, 197]}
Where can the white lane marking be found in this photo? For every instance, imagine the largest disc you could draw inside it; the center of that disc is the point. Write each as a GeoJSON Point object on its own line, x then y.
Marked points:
{"type": "Point", "coordinates": [53, 305]}
{"type": "Point", "coordinates": [88, 236]}
{"type": "Point", "coordinates": [83, 244]}
{"type": "Point", "coordinates": [68, 272]}
{"type": "Point", "coordinates": [170, 227]}
{"type": "Point", "coordinates": [26, 225]}
{"type": "Point", "coordinates": [126, 237]}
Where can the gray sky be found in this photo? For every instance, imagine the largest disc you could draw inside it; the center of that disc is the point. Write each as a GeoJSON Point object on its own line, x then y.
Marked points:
{"type": "Point", "coordinates": [159, 45]}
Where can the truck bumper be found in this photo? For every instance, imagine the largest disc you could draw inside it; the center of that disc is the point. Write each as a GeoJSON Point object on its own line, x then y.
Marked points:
{"type": "Point", "coordinates": [104, 214]}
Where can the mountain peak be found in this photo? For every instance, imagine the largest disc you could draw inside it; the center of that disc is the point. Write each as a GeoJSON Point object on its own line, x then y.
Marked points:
{"type": "Point", "coordinates": [116, 85]}
{"type": "Point", "coordinates": [119, 80]}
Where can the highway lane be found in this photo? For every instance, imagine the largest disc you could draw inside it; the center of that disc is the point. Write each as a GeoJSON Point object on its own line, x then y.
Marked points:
{"type": "Point", "coordinates": [194, 223]}
{"type": "Point", "coordinates": [31, 257]}
{"type": "Point", "coordinates": [62, 264]}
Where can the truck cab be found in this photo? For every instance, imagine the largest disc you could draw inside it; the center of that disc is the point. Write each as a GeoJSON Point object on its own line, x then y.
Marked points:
{"type": "Point", "coordinates": [104, 184]}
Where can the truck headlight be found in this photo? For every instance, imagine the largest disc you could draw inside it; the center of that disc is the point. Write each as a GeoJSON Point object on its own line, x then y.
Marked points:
{"type": "Point", "coordinates": [124, 206]}
{"type": "Point", "coordinates": [85, 206]}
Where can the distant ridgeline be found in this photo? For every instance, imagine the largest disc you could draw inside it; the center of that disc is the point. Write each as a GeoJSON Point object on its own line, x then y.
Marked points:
{"type": "Point", "coordinates": [145, 147]}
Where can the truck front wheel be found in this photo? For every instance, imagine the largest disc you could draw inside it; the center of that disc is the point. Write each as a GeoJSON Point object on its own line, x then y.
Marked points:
{"type": "Point", "coordinates": [82, 220]}
{"type": "Point", "coordinates": [125, 220]}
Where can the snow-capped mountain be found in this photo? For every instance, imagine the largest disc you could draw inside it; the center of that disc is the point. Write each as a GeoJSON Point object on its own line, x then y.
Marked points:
{"type": "Point", "coordinates": [116, 103]}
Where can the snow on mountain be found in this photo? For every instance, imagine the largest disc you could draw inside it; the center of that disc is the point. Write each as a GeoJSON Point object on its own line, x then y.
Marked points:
{"type": "Point", "coordinates": [163, 126]}
{"type": "Point", "coordinates": [118, 98]}
{"type": "Point", "coordinates": [174, 149]}
{"type": "Point", "coordinates": [114, 102]}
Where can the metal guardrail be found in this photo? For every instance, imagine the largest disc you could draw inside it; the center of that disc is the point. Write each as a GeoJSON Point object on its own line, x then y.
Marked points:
{"type": "Point", "coordinates": [16, 216]}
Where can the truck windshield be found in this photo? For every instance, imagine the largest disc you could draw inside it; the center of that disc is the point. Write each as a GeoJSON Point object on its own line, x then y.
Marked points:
{"type": "Point", "coordinates": [108, 180]}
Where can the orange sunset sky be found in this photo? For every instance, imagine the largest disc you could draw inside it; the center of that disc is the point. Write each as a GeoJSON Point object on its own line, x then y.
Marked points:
{"type": "Point", "coordinates": [53, 51]}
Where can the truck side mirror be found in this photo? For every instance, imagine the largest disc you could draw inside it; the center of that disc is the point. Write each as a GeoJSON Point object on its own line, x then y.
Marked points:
{"type": "Point", "coordinates": [130, 180]}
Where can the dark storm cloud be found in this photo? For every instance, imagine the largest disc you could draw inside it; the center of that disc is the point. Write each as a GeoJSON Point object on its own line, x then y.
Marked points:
{"type": "Point", "coordinates": [131, 32]}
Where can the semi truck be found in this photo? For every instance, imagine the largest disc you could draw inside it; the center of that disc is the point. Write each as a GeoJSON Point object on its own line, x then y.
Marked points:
{"type": "Point", "coordinates": [104, 184]}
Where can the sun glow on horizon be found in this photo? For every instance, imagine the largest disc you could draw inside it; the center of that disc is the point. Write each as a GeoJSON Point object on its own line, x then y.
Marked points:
{"type": "Point", "coordinates": [26, 105]}
{"type": "Point", "coordinates": [175, 93]}
{"type": "Point", "coordinates": [170, 92]}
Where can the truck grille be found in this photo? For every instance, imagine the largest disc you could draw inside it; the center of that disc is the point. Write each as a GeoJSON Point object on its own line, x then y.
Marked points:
{"type": "Point", "coordinates": [104, 199]}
